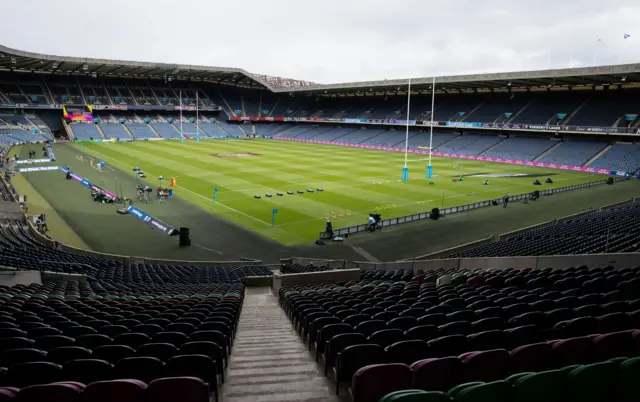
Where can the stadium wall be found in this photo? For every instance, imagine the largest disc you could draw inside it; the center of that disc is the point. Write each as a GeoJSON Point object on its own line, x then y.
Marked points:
{"type": "Point", "coordinates": [128, 259]}
{"type": "Point", "coordinates": [310, 278]}
{"type": "Point", "coordinates": [333, 264]}
{"type": "Point", "coordinates": [12, 277]}
{"type": "Point", "coordinates": [621, 260]}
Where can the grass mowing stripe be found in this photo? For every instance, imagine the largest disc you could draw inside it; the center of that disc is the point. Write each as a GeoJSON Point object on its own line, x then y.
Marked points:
{"type": "Point", "coordinates": [355, 180]}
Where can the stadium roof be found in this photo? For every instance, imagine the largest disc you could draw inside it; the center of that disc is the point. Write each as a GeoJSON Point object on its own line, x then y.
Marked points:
{"type": "Point", "coordinates": [11, 59]}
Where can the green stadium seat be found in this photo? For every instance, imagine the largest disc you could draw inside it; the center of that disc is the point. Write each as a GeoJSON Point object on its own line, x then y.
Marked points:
{"type": "Point", "coordinates": [628, 378]}
{"type": "Point", "coordinates": [496, 391]}
{"type": "Point", "coordinates": [453, 392]}
{"type": "Point", "coordinates": [593, 383]}
{"type": "Point", "coordinates": [513, 378]}
{"type": "Point", "coordinates": [547, 386]}
{"type": "Point", "coordinates": [415, 395]}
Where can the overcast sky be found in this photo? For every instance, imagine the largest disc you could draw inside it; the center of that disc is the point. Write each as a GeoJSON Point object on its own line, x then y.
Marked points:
{"type": "Point", "coordinates": [329, 41]}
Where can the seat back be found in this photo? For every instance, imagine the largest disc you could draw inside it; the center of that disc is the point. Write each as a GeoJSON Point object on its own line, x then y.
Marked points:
{"type": "Point", "coordinates": [371, 383]}
{"type": "Point", "coordinates": [439, 374]}
{"type": "Point", "coordinates": [183, 389]}
{"type": "Point", "coordinates": [32, 373]}
{"type": "Point", "coordinates": [352, 358]}
{"type": "Point", "coordinates": [489, 365]}
{"type": "Point", "coordinates": [408, 352]}
{"type": "Point", "coordinates": [115, 390]}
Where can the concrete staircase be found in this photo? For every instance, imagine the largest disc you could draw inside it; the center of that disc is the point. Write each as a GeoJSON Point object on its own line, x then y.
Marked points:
{"type": "Point", "coordinates": [599, 154]}
{"type": "Point", "coordinates": [100, 131]}
{"type": "Point", "coordinates": [542, 155]}
{"type": "Point", "coordinates": [69, 131]}
{"type": "Point", "coordinates": [269, 363]}
{"type": "Point", "coordinates": [154, 131]}
{"type": "Point", "coordinates": [566, 120]}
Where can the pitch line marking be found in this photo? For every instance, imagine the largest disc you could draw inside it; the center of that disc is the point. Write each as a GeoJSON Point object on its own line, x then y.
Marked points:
{"type": "Point", "coordinates": [316, 219]}
{"type": "Point", "coordinates": [419, 202]}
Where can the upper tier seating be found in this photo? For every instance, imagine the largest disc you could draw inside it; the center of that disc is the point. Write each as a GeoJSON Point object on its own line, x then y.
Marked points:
{"type": "Point", "coordinates": [470, 144]}
{"type": "Point", "coordinates": [522, 148]}
{"type": "Point", "coordinates": [494, 108]}
{"type": "Point", "coordinates": [575, 153]}
{"type": "Point", "coordinates": [449, 107]}
{"type": "Point", "coordinates": [543, 108]}
{"type": "Point", "coordinates": [605, 109]}
{"type": "Point", "coordinates": [621, 157]}
{"type": "Point", "coordinates": [610, 231]}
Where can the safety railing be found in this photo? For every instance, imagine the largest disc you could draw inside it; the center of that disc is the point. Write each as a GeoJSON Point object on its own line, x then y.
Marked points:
{"type": "Point", "coordinates": [462, 208]}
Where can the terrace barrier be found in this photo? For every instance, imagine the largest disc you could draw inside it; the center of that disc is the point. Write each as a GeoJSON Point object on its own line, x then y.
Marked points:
{"type": "Point", "coordinates": [617, 260]}
{"type": "Point", "coordinates": [463, 208]}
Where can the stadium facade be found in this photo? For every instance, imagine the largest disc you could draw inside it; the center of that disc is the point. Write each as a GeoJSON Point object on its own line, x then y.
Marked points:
{"type": "Point", "coordinates": [578, 118]}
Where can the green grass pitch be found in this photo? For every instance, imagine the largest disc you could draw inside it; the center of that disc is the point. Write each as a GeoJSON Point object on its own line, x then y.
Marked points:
{"type": "Point", "coordinates": [355, 181]}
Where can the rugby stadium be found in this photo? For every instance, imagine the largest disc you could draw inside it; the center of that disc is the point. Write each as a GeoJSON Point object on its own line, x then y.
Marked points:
{"type": "Point", "coordinates": [196, 233]}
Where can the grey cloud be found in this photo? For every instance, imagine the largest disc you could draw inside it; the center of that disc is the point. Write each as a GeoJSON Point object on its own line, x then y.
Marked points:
{"type": "Point", "coordinates": [332, 40]}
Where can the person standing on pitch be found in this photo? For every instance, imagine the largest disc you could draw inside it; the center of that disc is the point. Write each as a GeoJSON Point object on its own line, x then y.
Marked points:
{"type": "Point", "coordinates": [329, 230]}
{"type": "Point", "coordinates": [372, 223]}
{"type": "Point", "coordinates": [505, 200]}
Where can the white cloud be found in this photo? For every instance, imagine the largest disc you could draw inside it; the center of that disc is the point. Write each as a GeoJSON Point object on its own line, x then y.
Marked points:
{"type": "Point", "coordinates": [330, 41]}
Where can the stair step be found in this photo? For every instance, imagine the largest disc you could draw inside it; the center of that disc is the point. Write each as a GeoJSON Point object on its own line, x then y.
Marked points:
{"type": "Point", "coordinates": [269, 362]}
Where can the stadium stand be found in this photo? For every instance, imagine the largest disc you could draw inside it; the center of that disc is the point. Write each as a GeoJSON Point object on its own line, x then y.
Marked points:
{"type": "Point", "coordinates": [397, 330]}
{"type": "Point", "coordinates": [15, 136]}
{"type": "Point", "coordinates": [20, 250]}
{"type": "Point", "coordinates": [115, 130]}
{"type": "Point", "coordinates": [166, 130]}
{"type": "Point", "coordinates": [212, 129]}
{"type": "Point", "coordinates": [358, 136]}
{"type": "Point", "coordinates": [493, 109]}
{"type": "Point", "coordinates": [574, 152]}
{"type": "Point", "coordinates": [189, 129]}
{"type": "Point", "coordinates": [140, 131]}
{"type": "Point", "coordinates": [422, 140]}
{"type": "Point", "coordinates": [233, 130]}
{"type": "Point", "coordinates": [521, 148]}
{"type": "Point", "coordinates": [622, 157]}
{"type": "Point", "coordinates": [606, 109]}
{"type": "Point", "coordinates": [85, 131]}
{"type": "Point", "coordinates": [470, 144]}
{"type": "Point", "coordinates": [316, 132]}
{"type": "Point", "coordinates": [544, 108]}
{"type": "Point", "coordinates": [126, 331]}
{"type": "Point", "coordinates": [610, 231]}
